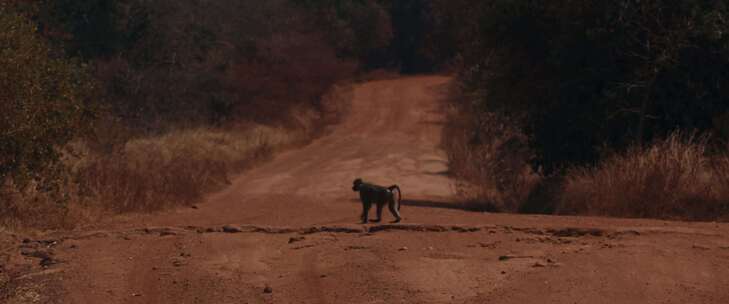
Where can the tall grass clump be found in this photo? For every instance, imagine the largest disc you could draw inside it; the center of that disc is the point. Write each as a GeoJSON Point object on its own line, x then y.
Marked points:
{"type": "Point", "coordinates": [720, 176]}
{"type": "Point", "coordinates": [144, 175]}
{"type": "Point", "coordinates": [673, 178]}
{"type": "Point", "coordinates": [175, 169]}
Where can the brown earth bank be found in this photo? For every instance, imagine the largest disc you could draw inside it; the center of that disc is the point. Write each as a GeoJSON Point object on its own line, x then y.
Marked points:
{"type": "Point", "coordinates": [286, 232]}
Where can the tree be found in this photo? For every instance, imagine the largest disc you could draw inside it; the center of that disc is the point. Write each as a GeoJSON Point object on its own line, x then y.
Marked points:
{"type": "Point", "coordinates": [44, 103]}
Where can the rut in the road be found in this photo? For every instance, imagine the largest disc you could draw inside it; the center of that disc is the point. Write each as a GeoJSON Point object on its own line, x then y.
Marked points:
{"type": "Point", "coordinates": [424, 228]}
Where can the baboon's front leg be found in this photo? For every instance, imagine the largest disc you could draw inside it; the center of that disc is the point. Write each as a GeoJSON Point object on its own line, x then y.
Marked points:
{"type": "Point", "coordinates": [365, 211]}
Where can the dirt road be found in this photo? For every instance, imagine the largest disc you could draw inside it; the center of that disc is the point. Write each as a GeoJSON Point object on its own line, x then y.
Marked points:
{"type": "Point", "coordinates": [286, 232]}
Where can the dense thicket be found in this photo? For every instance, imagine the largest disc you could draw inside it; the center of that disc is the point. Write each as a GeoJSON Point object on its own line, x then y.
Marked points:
{"type": "Point", "coordinates": [584, 75]}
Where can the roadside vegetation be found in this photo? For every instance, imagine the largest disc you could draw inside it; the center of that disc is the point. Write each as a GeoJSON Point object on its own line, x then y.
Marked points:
{"type": "Point", "coordinates": [616, 108]}
{"type": "Point", "coordinates": [134, 106]}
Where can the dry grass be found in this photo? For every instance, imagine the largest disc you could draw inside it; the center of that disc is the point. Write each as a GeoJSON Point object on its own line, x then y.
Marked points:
{"type": "Point", "coordinates": [673, 178]}
{"type": "Point", "coordinates": [30, 208]}
{"type": "Point", "coordinates": [175, 169]}
{"type": "Point", "coordinates": [488, 156]}
{"type": "Point", "coordinates": [146, 175]}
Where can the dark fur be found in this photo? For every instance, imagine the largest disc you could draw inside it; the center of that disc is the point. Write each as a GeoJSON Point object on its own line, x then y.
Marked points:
{"type": "Point", "coordinates": [371, 193]}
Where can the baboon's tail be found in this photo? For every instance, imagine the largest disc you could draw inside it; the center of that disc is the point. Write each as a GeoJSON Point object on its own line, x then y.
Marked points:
{"type": "Point", "coordinates": [399, 195]}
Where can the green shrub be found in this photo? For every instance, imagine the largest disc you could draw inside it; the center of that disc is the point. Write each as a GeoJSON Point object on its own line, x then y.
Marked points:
{"type": "Point", "coordinates": [43, 104]}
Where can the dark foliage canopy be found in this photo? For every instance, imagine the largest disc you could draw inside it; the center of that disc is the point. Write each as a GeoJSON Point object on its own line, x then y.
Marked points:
{"type": "Point", "coordinates": [590, 74]}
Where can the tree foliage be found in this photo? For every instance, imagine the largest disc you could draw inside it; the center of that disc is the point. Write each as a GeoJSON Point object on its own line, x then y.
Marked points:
{"type": "Point", "coordinates": [44, 102]}
{"type": "Point", "coordinates": [583, 75]}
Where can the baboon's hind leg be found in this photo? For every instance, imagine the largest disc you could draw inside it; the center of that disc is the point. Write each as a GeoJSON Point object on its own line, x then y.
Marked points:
{"type": "Point", "coordinates": [380, 205]}
{"type": "Point", "coordinates": [393, 206]}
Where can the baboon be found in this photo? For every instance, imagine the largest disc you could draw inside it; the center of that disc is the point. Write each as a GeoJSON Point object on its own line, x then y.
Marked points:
{"type": "Point", "coordinates": [371, 193]}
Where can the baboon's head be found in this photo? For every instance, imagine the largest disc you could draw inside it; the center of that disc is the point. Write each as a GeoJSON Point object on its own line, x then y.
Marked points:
{"type": "Point", "coordinates": [355, 184]}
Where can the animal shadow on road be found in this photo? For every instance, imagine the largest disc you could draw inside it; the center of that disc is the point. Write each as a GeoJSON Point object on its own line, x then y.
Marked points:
{"type": "Point", "coordinates": [434, 204]}
{"type": "Point", "coordinates": [439, 204]}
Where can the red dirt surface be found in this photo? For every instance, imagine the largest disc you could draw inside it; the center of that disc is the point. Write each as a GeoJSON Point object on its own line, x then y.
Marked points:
{"type": "Point", "coordinates": [287, 232]}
